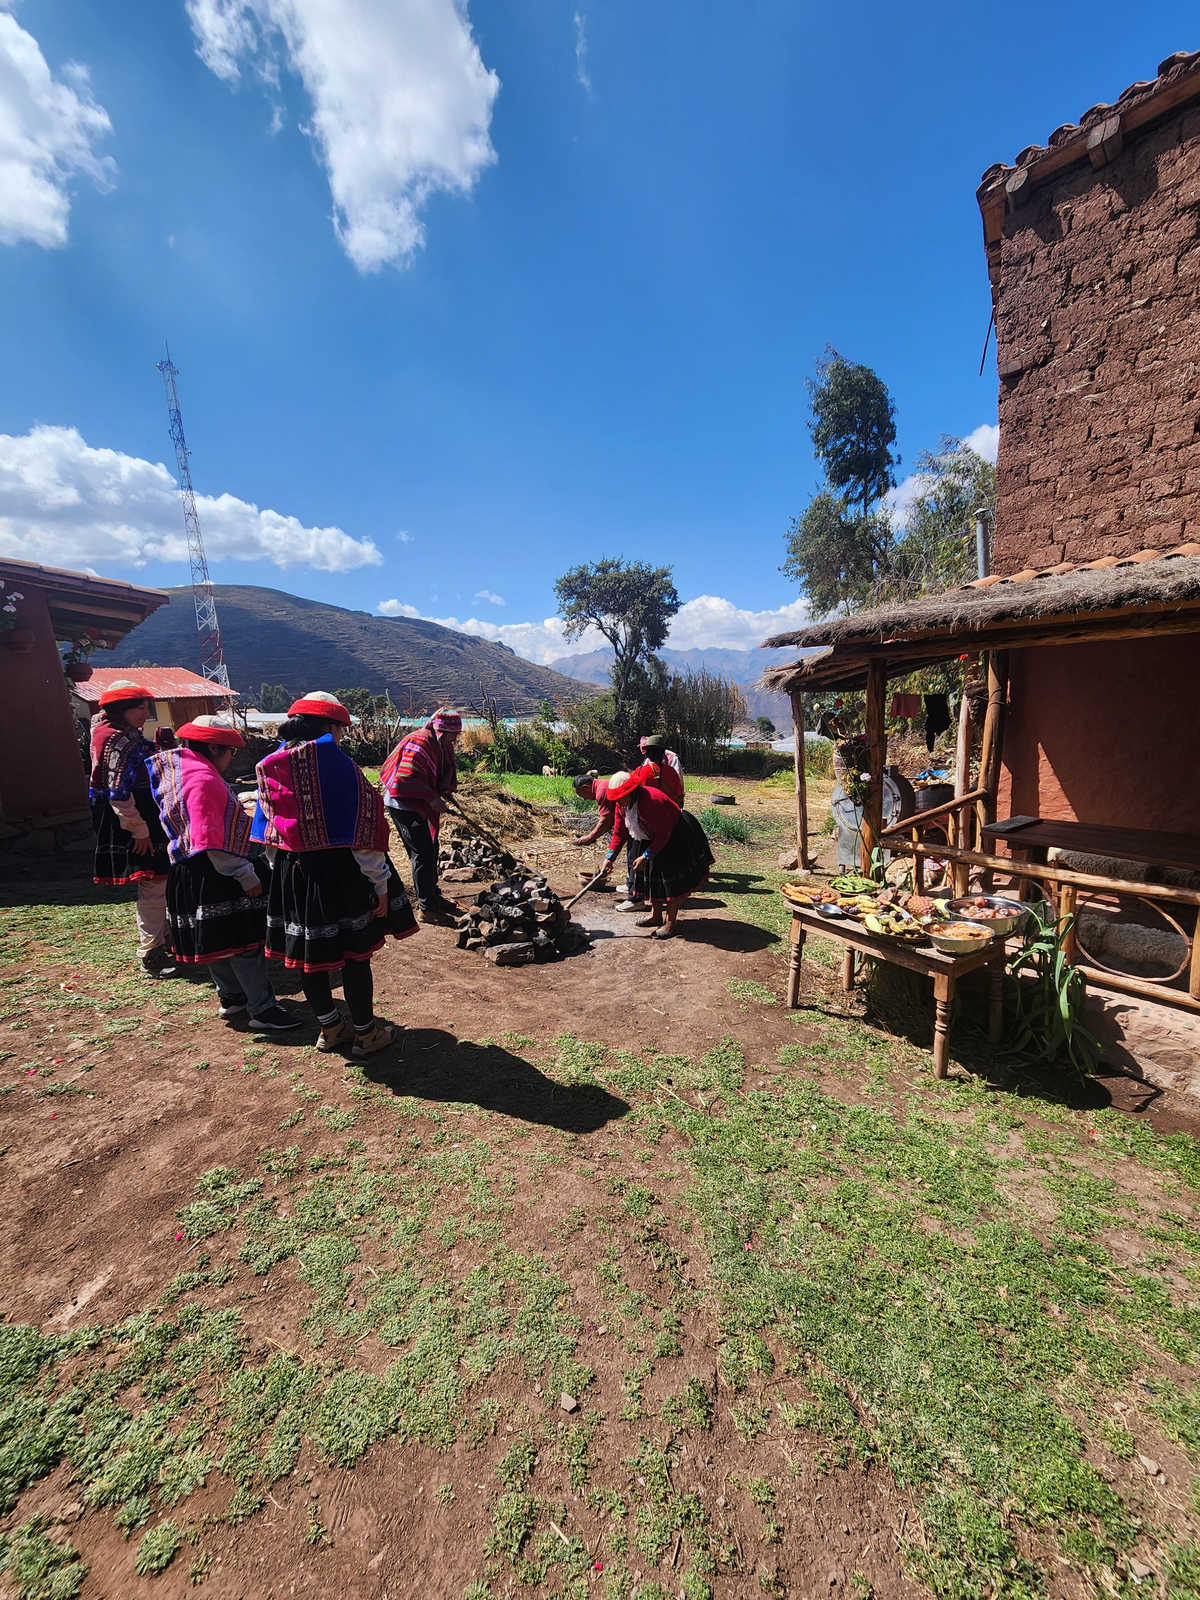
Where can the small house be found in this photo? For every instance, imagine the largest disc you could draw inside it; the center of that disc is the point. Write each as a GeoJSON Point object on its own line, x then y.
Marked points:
{"type": "Point", "coordinates": [1088, 628]}
{"type": "Point", "coordinates": [179, 695]}
{"type": "Point", "coordinates": [43, 782]}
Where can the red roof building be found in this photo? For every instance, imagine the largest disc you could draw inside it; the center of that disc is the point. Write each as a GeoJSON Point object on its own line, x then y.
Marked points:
{"type": "Point", "coordinates": [179, 695]}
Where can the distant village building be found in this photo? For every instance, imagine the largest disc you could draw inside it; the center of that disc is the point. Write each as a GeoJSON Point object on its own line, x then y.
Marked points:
{"type": "Point", "coordinates": [179, 695]}
{"type": "Point", "coordinates": [43, 783]}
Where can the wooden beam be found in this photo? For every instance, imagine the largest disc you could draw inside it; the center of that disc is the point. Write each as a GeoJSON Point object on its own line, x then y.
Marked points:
{"type": "Point", "coordinates": [992, 746]}
{"type": "Point", "coordinates": [908, 652]}
{"type": "Point", "coordinates": [802, 856]}
{"type": "Point", "coordinates": [964, 836]}
{"type": "Point", "coordinates": [872, 824]}
{"type": "Point", "coordinates": [920, 818]}
{"type": "Point", "coordinates": [1050, 874]}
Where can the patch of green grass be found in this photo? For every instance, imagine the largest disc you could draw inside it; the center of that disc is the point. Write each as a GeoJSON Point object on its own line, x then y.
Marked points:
{"type": "Point", "coordinates": [39, 1567]}
{"type": "Point", "coordinates": [158, 1548]}
{"type": "Point", "coordinates": [721, 822]}
{"type": "Point", "coordinates": [747, 991]}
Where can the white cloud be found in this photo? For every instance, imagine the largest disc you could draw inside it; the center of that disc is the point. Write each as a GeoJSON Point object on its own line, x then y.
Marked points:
{"type": "Point", "coordinates": [492, 599]}
{"type": "Point", "coordinates": [708, 621]}
{"type": "Point", "coordinates": [984, 440]}
{"type": "Point", "coordinates": [401, 102]}
{"type": "Point", "coordinates": [582, 76]}
{"type": "Point", "coordinates": [403, 536]}
{"type": "Point", "coordinates": [49, 129]}
{"type": "Point", "coordinates": [66, 504]}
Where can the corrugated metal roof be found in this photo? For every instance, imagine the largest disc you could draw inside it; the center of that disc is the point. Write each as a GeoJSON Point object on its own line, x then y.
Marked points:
{"type": "Point", "coordinates": [164, 683]}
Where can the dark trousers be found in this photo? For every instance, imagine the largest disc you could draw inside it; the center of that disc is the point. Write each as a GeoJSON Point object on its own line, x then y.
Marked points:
{"type": "Point", "coordinates": [357, 985]}
{"type": "Point", "coordinates": [417, 838]}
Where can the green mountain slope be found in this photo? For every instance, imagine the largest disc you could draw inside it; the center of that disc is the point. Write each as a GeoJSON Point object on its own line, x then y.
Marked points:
{"type": "Point", "coordinates": [272, 637]}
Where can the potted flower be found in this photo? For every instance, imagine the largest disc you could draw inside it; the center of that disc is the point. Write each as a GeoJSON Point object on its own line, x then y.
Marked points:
{"type": "Point", "coordinates": [75, 663]}
{"type": "Point", "coordinates": [12, 635]}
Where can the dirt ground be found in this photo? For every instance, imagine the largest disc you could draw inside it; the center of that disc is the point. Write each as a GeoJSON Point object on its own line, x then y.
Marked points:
{"type": "Point", "coordinates": [94, 1184]}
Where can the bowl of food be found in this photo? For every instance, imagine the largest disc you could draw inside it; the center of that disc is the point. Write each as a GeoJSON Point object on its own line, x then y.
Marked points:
{"type": "Point", "coordinates": [960, 938]}
{"type": "Point", "coordinates": [1001, 915]}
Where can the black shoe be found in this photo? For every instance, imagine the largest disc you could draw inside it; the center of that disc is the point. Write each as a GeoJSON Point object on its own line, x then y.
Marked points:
{"type": "Point", "coordinates": [159, 963]}
{"type": "Point", "coordinates": [235, 1006]}
{"type": "Point", "coordinates": [276, 1020]}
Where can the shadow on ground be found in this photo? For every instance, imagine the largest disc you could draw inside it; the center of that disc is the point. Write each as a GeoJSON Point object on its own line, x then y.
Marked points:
{"type": "Point", "coordinates": [431, 1064]}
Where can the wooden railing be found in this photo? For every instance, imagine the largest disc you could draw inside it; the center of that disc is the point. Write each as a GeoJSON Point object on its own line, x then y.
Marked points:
{"type": "Point", "coordinates": [1067, 887]}
{"type": "Point", "coordinates": [960, 834]}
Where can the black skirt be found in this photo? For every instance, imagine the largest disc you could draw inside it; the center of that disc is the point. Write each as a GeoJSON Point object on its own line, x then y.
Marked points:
{"type": "Point", "coordinates": [321, 911]}
{"type": "Point", "coordinates": [115, 861]}
{"type": "Point", "coordinates": [211, 917]}
{"type": "Point", "coordinates": [680, 867]}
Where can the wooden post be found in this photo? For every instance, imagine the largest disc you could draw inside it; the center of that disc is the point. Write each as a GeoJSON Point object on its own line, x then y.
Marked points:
{"type": "Point", "coordinates": [795, 961]}
{"type": "Point", "coordinates": [992, 746]}
{"type": "Point", "coordinates": [803, 859]}
{"type": "Point", "coordinates": [1065, 907]}
{"type": "Point", "coordinates": [943, 995]}
{"type": "Point", "coordinates": [872, 825]}
{"type": "Point", "coordinates": [1194, 970]}
{"type": "Point", "coordinates": [963, 835]}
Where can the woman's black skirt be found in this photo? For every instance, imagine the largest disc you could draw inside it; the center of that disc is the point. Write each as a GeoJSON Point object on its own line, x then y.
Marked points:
{"type": "Point", "coordinates": [211, 917]}
{"type": "Point", "coordinates": [680, 867]}
{"type": "Point", "coordinates": [321, 911]}
{"type": "Point", "coordinates": [115, 861]}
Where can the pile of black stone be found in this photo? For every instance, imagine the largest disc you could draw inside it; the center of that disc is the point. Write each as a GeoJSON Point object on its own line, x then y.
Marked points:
{"type": "Point", "coordinates": [462, 858]}
{"type": "Point", "coordinates": [520, 919]}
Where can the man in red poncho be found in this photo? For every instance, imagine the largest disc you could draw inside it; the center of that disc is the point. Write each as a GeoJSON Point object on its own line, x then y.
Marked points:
{"type": "Point", "coordinates": [418, 778]}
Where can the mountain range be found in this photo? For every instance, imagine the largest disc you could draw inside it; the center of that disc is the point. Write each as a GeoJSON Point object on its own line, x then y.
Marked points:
{"type": "Point", "coordinates": [276, 638]}
{"type": "Point", "coordinates": [743, 667]}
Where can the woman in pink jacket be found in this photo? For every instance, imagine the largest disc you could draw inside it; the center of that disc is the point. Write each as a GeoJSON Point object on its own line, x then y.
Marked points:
{"type": "Point", "coordinates": [675, 858]}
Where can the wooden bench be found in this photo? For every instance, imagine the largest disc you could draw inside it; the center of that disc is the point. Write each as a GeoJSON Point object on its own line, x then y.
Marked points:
{"type": "Point", "coordinates": [944, 970]}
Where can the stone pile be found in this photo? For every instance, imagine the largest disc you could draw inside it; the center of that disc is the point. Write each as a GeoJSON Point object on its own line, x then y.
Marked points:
{"type": "Point", "coordinates": [462, 858]}
{"type": "Point", "coordinates": [519, 920]}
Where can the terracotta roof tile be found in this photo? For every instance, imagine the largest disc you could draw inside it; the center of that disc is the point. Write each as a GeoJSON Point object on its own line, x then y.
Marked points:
{"type": "Point", "coordinates": [1138, 558]}
{"type": "Point", "coordinates": [1169, 69]}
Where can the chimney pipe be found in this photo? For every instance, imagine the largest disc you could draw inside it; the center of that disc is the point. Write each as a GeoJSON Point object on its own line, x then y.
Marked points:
{"type": "Point", "coordinates": [983, 518]}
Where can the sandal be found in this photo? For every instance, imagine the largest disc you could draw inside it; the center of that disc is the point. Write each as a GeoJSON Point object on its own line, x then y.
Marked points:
{"type": "Point", "coordinates": [663, 933]}
{"type": "Point", "coordinates": [335, 1036]}
{"type": "Point", "coordinates": [378, 1037]}
{"type": "Point", "coordinates": [649, 922]}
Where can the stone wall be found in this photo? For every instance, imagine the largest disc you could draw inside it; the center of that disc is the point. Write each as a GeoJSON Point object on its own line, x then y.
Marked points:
{"type": "Point", "coordinates": [1098, 349]}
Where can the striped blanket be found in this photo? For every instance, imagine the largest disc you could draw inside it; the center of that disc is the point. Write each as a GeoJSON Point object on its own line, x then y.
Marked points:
{"type": "Point", "coordinates": [313, 797]}
{"type": "Point", "coordinates": [199, 810]}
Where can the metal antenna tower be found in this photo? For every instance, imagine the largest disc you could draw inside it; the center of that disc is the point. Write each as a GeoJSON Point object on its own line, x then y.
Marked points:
{"type": "Point", "coordinates": [212, 655]}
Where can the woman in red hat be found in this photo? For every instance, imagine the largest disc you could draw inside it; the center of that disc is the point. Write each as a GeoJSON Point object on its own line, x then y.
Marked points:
{"type": "Point", "coordinates": [131, 846]}
{"type": "Point", "coordinates": [216, 905]}
{"type": "Point", "coordinates": [673, 858]}
{"type": "Point", "coordinates": [334, 895]}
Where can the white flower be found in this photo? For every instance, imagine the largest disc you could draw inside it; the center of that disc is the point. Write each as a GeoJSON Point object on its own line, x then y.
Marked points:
{"type": "Point", "coordinates": [10, 608]}
{"type": "Point", "coordinates": [16, 596]}
{"type": "Point", "coordinates": [865, 776]}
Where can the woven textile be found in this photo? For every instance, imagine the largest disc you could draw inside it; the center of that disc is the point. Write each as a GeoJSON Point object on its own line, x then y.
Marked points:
{"type": "Point", "coordinates": [313, 797]}
{"type": "Point", "coordinates": [199, 810]}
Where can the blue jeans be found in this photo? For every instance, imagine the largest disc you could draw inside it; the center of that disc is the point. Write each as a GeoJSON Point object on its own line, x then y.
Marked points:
{"type": "Point", "coordinates": [244, 977]}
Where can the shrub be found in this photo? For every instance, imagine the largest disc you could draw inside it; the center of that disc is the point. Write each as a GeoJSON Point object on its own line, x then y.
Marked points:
{"type": "Point", "coordinates": [725, 824]}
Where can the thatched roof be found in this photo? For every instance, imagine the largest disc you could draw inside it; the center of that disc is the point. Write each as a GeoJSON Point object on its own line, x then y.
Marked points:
{"type": "Point", "coordinates": [1069, 602]}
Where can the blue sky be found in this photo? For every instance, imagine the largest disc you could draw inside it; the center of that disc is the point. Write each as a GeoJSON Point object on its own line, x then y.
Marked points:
{"type": "Point", "coordinates": [460, 300]}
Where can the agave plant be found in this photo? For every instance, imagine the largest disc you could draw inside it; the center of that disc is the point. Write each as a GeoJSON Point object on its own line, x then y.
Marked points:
{"type": "Point", "coordinates": [1049, 995]}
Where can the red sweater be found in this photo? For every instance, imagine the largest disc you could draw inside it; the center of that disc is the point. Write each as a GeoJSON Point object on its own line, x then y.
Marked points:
{"type": "Point", "coordinates": [657, 813]}
{"type": "Point", "coordinates": [663, 777]}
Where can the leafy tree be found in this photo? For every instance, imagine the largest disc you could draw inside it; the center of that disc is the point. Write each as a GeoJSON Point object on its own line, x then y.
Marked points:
{"type": "Point", "coordinates": [839, 544]}
{"type": "Point", "coordinates": [853, 429]}
{"type": "Point", "coordinates": [827, 555]}
{"type": "Point", "coordinates": [699, 712]}
{"type": "Point", "coordinates": [631, 604]}
{"type": "Point", "coordinates": [273, 697]}
{"type": "Point", "coordinates": [765, 727]}
{"type": "Point", "coordinates": [936, 546]}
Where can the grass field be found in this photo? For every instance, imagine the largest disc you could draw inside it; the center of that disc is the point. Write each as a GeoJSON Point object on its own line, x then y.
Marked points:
{"type": "Point", "coordinates": [791, 1284]}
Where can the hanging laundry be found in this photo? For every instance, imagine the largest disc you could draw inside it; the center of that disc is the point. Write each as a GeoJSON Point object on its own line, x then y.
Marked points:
{"type": "Point", "coordinates": [906, 705]}
{"type": "Point", "coordinates": [937, 717]}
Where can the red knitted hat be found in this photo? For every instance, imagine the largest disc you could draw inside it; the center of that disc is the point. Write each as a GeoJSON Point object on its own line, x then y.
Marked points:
{"type": "Point", "coordinates": [211, 730]}
{"type": "Point", "coordinates": [319, 704]}
{"type": "Point", "coordinates": [124, 689]}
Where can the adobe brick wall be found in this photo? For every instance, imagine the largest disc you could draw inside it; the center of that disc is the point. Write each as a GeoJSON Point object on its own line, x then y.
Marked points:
{"type": "Point", "coordinates": [1098, 349]}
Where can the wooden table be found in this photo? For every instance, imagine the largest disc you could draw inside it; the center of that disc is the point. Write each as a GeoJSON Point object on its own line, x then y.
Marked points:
{"type": "Point", "coordinates": [944, 970]}
{"type": "Point", "coordinates": [1096, 839]}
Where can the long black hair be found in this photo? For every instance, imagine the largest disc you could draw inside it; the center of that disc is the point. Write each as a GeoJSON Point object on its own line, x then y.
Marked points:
{"type": "Point", "coordinates": [300, 729]}
{"type": "Point", "coordinates": [115, 712]}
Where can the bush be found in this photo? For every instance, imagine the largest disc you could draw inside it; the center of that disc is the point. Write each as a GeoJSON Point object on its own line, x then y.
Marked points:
{"type": "Point", "coordinates": [716, 820]}
{"type": "Point", "coordinates": [818, 757]}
